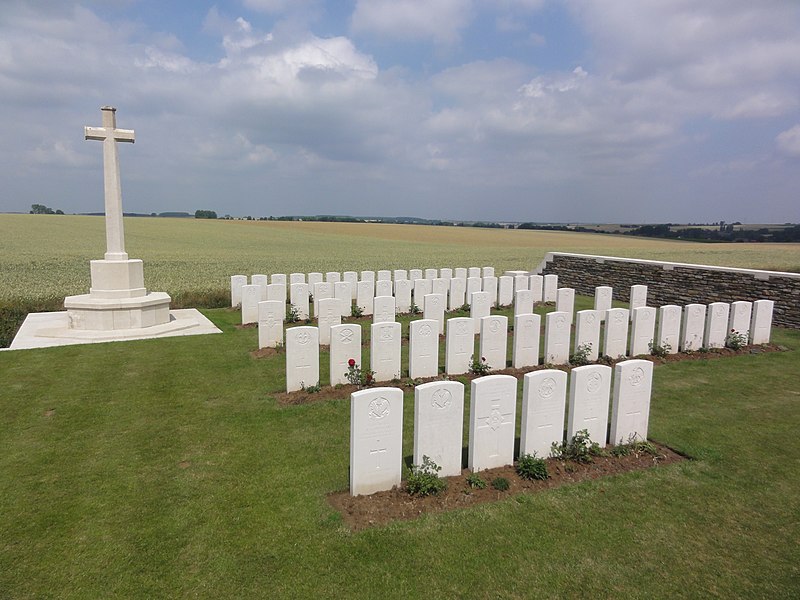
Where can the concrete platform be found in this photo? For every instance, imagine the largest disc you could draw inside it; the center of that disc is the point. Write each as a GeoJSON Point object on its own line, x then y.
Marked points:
{"type": "Point", "coordinates": [43, 330]}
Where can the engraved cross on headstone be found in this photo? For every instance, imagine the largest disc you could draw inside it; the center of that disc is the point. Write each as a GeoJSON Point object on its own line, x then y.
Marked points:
{"type": "Point", "coordinates": [110, 135]}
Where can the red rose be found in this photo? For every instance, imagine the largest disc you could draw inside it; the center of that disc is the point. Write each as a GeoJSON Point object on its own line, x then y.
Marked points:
{"type": "Point", "coordinates": [352, 362]}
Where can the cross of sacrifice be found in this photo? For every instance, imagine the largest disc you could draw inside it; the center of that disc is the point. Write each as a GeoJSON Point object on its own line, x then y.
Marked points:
{"type": "Point", "coordinates": [110, 135]}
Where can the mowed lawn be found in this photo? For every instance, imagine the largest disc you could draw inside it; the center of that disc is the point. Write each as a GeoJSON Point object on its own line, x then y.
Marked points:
{"type": "Point", "coordinates": [46, 257]}
{"type": "Point", "coordinates": [164, 469]}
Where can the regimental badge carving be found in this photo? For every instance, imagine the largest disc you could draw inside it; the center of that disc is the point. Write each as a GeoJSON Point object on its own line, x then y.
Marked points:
{"type": "Point", "coordinates": [461, 328]}
{"type": "Point", "coordinates": [441, 399]}
{"type": "Point", "coordinates": [593, 384]}
{"type": "Point", "coordinates": [637, 376]}
{"type": "Point", "coordinates": [379, 408]}
{"type": "Point", "coordinates": [590, 318]}
{"type": "Point", "coordinates": [619, 318]}
{"type": "Point", "coordinates": [494, 325]}
{"type": "Point", "coordinates": [425, 330]}
{"type": "Point", "coordinates": [386, 334]}
{"type": "Point", "coordinates": [696, 312]}
{"type": "Point", "coordinates": [561, 321]}
{"type": "Point", "coordinates": [495, 419]}
{"type": "Point", "coordinates": [303, 338]}
{"type": "Point", "coordinates": [346, 336]}
{"type": "Point", "coordinates": [547, 388]}
{"type": "Point", "coordinates": [720, 311]}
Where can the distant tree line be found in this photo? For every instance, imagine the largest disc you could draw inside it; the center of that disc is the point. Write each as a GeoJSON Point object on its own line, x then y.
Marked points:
{"type": "Point", "coordinates": [41, 209]}
{"type": "Point", "coordinates": [725, 233]}
{"type": "Point", "coordinates": [205, 214]}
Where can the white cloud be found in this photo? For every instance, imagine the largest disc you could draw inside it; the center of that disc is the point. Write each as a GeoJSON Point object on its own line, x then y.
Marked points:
{"type": "Point", "coordinates": [789, 141]}
{"type": "Point", "coordinates": [439, 20]}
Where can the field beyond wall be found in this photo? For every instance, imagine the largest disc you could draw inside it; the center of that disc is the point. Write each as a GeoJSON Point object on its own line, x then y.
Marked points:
{"type": "Point", "coordinates": [45, 257]}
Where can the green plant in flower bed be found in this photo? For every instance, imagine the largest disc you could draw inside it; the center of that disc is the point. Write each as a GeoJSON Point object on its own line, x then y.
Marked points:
{"type": "Point", "coordinates": [356, 376]}
{"type": "Point", "coordinates": [424, 480]}
{"type": "Point", "coordinates": [501, 484]}
{"type": "Point", "coordinates": [580, 448]}
{"type": "Point", "coordinates": [736, 340]}
{"type": "Point", "coordinates": [479, 366]}
{"type": "Point", "coordinates": [581, 355]}
{"type": "Point", "coordinates": [531, 467]}
{"type": "Point", "coordinates": [475, 481]}
{"type": "Point", "coordinates": [659, 350]}
{"type": "Point", "coordinates": [635, 446]}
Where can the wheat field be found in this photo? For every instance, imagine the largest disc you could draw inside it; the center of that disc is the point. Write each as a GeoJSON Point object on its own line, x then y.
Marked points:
{"type": "Point", "coordinates": [46, 256]}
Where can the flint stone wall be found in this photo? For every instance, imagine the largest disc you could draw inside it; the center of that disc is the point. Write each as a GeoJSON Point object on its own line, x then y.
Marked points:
{"type": "Point", "coordinates": [677, 283]}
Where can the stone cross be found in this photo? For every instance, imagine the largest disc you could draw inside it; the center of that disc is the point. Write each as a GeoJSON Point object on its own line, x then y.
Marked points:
{"type": "Point", "coordinates": [110, 135]}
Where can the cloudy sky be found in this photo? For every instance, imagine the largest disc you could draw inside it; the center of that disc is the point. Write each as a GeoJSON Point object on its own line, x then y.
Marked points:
{"type": "Point", "coordinates": [524, 110]}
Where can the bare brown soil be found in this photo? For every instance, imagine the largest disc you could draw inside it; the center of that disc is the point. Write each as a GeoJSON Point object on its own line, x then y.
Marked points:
{"type": "Point", "coordinates": [360, 512]}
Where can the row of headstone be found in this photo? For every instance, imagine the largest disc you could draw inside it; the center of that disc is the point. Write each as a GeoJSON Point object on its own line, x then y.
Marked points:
{"type": "Point", "coordinates": [376, 419]}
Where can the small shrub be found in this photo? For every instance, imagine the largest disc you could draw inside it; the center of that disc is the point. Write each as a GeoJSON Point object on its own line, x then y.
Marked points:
{"type": "Point", "coordinates": [355, 376]}
{"type": "Point", "coordinates": [579, 449]}
{"type": "Point", "coordinates": [415, 310]}
{"type": "Point", "coordinates": [581, 355]}
{"type": "Point", "coordinates": [356, 311]}
{"type": "Point", "coordinates": [292, 315]}
{"type": "Point", "coordinates": [736, 340]}
{"type": "Point", "coordinates": [501, 484]}
{"type": "Point", "coordinates": [657, 350]}
{"type": "Point", "coordinates": [423, 480]}
{"type": "Point", "coordinates": [311, 389]}
{"type": "Point", "coordinates": [475, 482]}
{"type": "Point", "coordinates": [531, 467]}
{"type": "Point", "coordinates": [464, 307]}
{"type": "Point", "coordinates": [478, 367]}
{"type": "Point", "coordinates": [635, 446]}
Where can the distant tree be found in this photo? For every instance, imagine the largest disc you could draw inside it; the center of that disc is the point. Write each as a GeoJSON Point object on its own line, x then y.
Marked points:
{"type": "Point", "coordinates": [41, 209]}
{"type": "Point", "coordinates": [205, 214]}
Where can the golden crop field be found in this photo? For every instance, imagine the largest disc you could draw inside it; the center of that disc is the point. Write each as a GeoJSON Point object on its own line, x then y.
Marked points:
{"type": "Point", "coordinates": [47, 256]}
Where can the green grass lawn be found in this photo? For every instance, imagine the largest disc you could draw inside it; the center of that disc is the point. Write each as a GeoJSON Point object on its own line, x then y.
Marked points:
{"type": "Point", "coordinates": [166, 469]}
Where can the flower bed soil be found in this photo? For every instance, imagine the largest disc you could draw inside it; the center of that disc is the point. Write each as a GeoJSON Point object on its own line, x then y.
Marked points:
{"type": "Point", "coordinates": [360, 512]}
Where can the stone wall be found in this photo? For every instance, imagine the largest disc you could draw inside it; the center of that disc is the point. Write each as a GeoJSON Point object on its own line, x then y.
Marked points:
{"type": "Point", "coordinates": [677, 283]}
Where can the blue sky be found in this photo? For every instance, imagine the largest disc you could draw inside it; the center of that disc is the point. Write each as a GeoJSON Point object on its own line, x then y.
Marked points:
{"type": "Point", "coordinates": [524, 110]}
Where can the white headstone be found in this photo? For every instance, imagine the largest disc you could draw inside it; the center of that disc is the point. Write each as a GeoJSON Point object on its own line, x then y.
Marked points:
{"type": "Point", "coordinates": [439, 425]}
{"type": "Point", "coordinates": [740, 318]}
{"type": "Point", "coordinates": [314, 278]}
{"type": "Point", "coordinates": [270, 323]}
{"type": "Point", "coordinates": [383, 287]}
{"type": "Point", "coordinates": [440, 286]}
{"type": "Point", "coordinates": [716, 330]}
{"type": "Point", "coordinates": [521, 282]}
{"type": "Point", "coordinates": [298, 298]}
{"type": "Point", "coordinates": [279, 278]}
{"type": "Point", "coordinates": [446, 273]}
{"type": "Point", "coordinates": [526, 340]}
{"type": "Point", "coordinates": [433, 308]}
{"type": "Point", "coordinates": [400, 274]}
{"type": "Point", "coordinates": [459, 345]}
{"type": "Point", "coordinates": [402, 295]}
{"type": "Point", "coordinates": [423, 348]}
{"type": "Point", "coordinates": [237, 281]}
{"type": "Point", "coordinates": [505, 290]}
{"type": "Point", "coordinates": [537, 287]}
{"type": "Point", "coordinates": [643, 327]}
{"type": "Point", "coordinates": [694, 318]}
{"type": "Point", "coordinates": [431, 273]}
{"type": "Point", "coordinates": [669, 327]}
{"type": "Point", "coordinates": [330, 314]}
{"type": "Point", "coordinates": [565, 301]}
{"type": "Point", "coordinates": [523, 302]}
{"type": "Point", "coordinates": [544, 399]}
{"type": "Point", "coordinates": [302, 358]}
{"type": "Point", "coordinates": [458, 289]}
{"type": "Point", "coordinates": [489, 284]}
{"type": "Point", "coordinates": [414, 274]}
{"type": "Point", "coordinates": [494, 341]}
{"type": "Point", "coordinates": [321, 291]}
{"type": "Point", "coordinates": [384, 275]}
{"type": "Point", "coordinates": [587, 332]}
{"type": "Point", "coordinates": [251, 296]}
{"type": "Point", "coordinates": [615, 343]}
{"type": "Point", "coordinates": [474, 272]}
{"type": "Point", "coordinates": [345, 345]}
{"type": "Point", "coordinates": [550, 289]}
{"type": "Point", "coordinates": [492, 422]}
{"type": "Point", "coordinates": [376, 440]}
{"type": "Point", "coordinates": [385, 351]}
{"type": "Point", "coordinates": [556, 338]}
{"type": "Point", "coordinates": [761, 323]}
{"type": "Point", "coordinates": [589, 390]}
{"type": "Point", "coordinates": [488, 271]}
{"type": "Point", "coordinates": [261, 281]}
{"type": "Point", "coordinates": [351, 277]}
{"type": "Point", "coordinates": [296, 278]}
{"type": "Point", "coordinates": [365, 294]}
{"type": "Point", "coordinates": [638, 297]}
{"type": "Point", "coordinates": [460, 272]}
{"type": "Point", "coordinates": [368, 276]}
{"type": "Point", "coordinates": [333, 276]}
{"type": "Point", "coordinates": [343, 293]}
{"type": "Point", "coordinates": [480, 306]}
{"type": "Point", "coordinates": [422, 287]}
{"type": "Point", "coordinates": [276, 291]}
{"type": "Point", "coordinates": [603, 297]}
{"type": "Point", "coordinates": [384, 309]}
{"type": "Point", "coordinates": [630, 409]}
{"type": "Point", "coordinates": [473, 285]}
